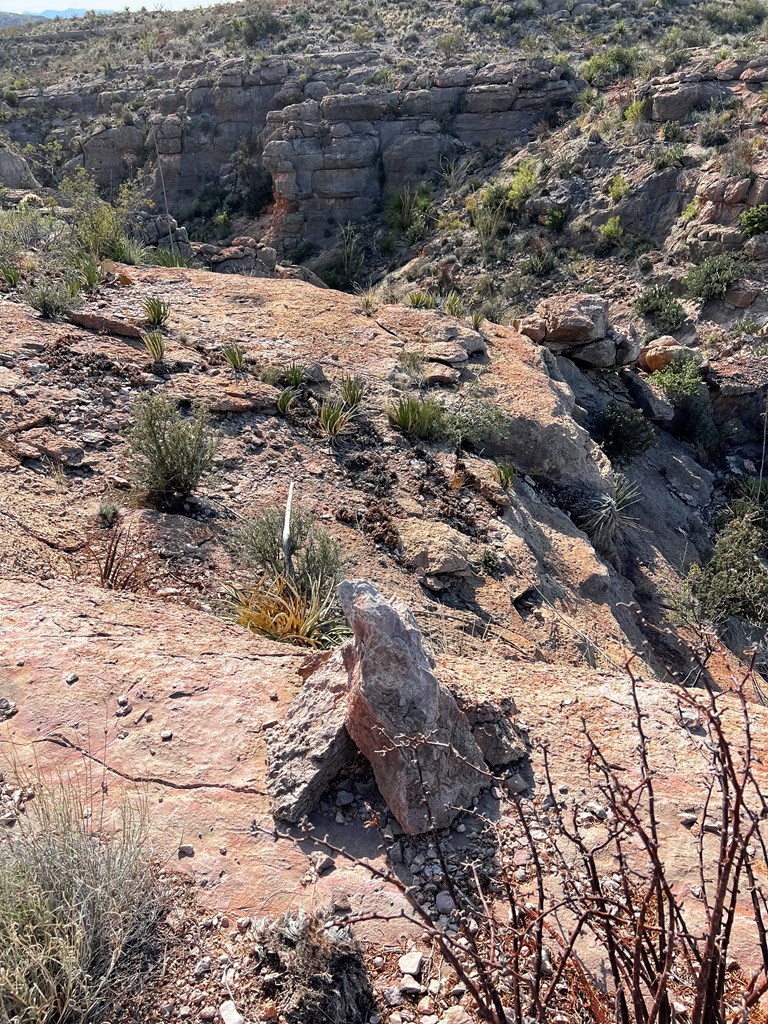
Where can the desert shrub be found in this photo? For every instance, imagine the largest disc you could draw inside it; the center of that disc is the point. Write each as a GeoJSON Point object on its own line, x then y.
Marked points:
{"type": "Point", "coordinates": [98, 227]}
{"type": "Point", "coordinates": [610, 64]}
{"type": "Point", "coordinates": [714, 127]}
{"type": "Point", "coordinates": [754, 221]}
{"type": "Point", "coordinates": [524, 183]}
{"type": "Point", "coordinates": [739, 16]}
{"type": "Point", "coordinates": [171, 454]}
{"type": "Point", "coordinates": [454, 304]}
{"type": "Point", "coordinates": [52, 299]}
{"type": "Point", "coordinates": [668, 156]}
{"type": "Point", "coordinates": [291, 375]}
{"type": "Point", "coordinates": [657, 303]}
{"type": "Point", "coordinates": [680, 380]}
{"type": "Point", "coordinates": [611, 234]}
{"type": "Point", "coordinates": [451, 44]}
{"type": "Point", "coordinates": [287, 399]}
{"type": "Point", "coordinates": [555, 218]}
{"type": "Point", "coordinates": [10, 273]}
{"type": "Point", "coordinates": [735, 580]}
{"type": "Point", "coordinates": [312, 968]}
{"type": "Point", "coordinates": [713, 276]}
{"type": "Point", "coordinates": [539, 264]}
{"type": "Point", "coordinates": [258, 24]}
{"type": "Point", "coordinates": [411, 212]}
{"type": "Point", "coordinates": [476, 422]}
{"type": "Point", "coordinates": [607, 517]}
{"type": "Point", "coordinates": [423, 417]}
{"type": "Point", "coordinates": [257, 543]}
{"type": "Point", "coordinates": [636, 112]}
{"type": "Point", "coordinates": [618, 187]}
{"type": "Point", "coordinates": [76, 908]}
{"type": "Point", "coordinates": [156, 310]}
{"type": "Point", "coordinates": [625, 433]}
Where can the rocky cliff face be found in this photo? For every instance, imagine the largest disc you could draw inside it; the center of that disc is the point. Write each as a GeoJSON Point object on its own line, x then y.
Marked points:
{"type": "Point", "coordinates": [334, 144]}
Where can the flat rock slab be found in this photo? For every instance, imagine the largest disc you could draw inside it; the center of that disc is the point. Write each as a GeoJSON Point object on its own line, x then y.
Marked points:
{"type": "Point", "coordinates": [171, 705]}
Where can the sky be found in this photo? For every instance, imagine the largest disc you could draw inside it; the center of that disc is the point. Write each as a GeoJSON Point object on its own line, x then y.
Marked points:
{"type": "Point", "coordinates": [35, 6]}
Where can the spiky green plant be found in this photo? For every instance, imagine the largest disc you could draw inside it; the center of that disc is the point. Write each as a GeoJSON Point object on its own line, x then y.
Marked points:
{"type": "Point", "coordinates": [154, 343]}
{"type": "Point", "coordinates": [505, 474]}
{"type": "Point", "coordinates": [423, 417]}
{"type": "Point", "coordinates": [156, 310]}
{"type": "Point", "coordinates": [454, 305]}
{"type": "Point", "coordinates": [287, 399]}
{"type": "Point", "coordinates": [421, 300]}
{"type": "Point", "coordinates": [352, 391]}
{"type": "Point", "coordinates": [335, 417]}
{"type": "Point", "coordinates": [235, 356]}
{"type": "Point", "coordinates": [607, 517]}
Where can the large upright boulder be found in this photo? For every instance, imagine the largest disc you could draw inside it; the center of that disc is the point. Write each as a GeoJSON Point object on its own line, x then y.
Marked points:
{"type": "Point", "coordinates": [419, 743]}
{"type": "Point", "coordinates": [14, 171]}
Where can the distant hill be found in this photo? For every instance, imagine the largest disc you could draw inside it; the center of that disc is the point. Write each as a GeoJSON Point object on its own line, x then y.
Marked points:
{"type": "Point", "coordinates": [69, 12]}
{"type": "Point", "coordinates": [8, 20]}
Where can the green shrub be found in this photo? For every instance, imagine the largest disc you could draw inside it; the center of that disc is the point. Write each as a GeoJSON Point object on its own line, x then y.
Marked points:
{"type": "Point", "coordinates": [611, 234]}
{"type": "Point", "coordinates": [636, 112]}
{"type": "Point", "coordinates": [680, 380]}
{"type": "Point", "coordinates": [668, 156]}
{"type": "Point", "coordinates": [524, 183]}
{"type": "Point", "coordinates": [625, 433]}
{"type": "Point", "coordinates": [476, 422]}
{"type": "Point", "coordinates": [657, 303]}
{"type": "Point", "coordinates": [555, 218]}
{"type": "Point", "coordinates": [612, 63]}
{"type": "Point", "coordinates": [454, 304]}
{"type": "Point", "coordinates": [735, 580]}
{"type": "Point", "coordinates": [170, 454]}
{"type": "Point", "coordinates": [163, 257]}
{"type": "Point", "coordinates": [754, 221]}
{"type": "Point", "coordinates": [335, 417]}
{"type": "Point", "coordinates": [425, 418]}
{"type": "Point", "coordinates": [352, 391]}
{"type": "Point", "coordinates": [713, 276]}
{"type": "Point", "coordinates": [51, 299]}
{"type": "Point", "coordinates": [539, 264]}
{"type": "Point", "coordinates": [411, 212]}
{"type": "Point", "coordinates": [256, 26]}
{"type": "Point", "coordinates": [618, 187]}
{"type": "Point", "coordinates": [76, 907]}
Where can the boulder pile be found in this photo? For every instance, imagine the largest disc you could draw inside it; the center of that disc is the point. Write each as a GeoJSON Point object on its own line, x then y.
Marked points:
{"type": "Point", "coordinates": [577, 326]}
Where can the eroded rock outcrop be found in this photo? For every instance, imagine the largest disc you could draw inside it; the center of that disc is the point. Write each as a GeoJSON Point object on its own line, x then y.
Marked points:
{"type": "Point", "coordinates": [578, 326]}
{"type": "Point", "coordinates": [431, 756]}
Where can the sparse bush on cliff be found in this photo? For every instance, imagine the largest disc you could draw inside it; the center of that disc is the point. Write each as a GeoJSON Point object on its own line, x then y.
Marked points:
{"type": "Point", "coordinates": [680, 380]}
{"type": "Point", "coordinates": [171, 454]}
{"type": "Point", "coordinates": [607, 517]}
{"type": "Point", "coordinates": [625, 433]}
{"type": "Point", "coordinates": [754, 221]}
{"type": "Point", "coordinates": [608, 65]}
{"type": "Point", "coordinates": [410, 213]}
{"type": "Point", "coordinates": [712, 278]}
{"type": "Point", "coordinates": [77, 909]}
{"type": "Point", "coordinates": [258, 24]}
{"type": "Point", "coordinates": [658, 304]}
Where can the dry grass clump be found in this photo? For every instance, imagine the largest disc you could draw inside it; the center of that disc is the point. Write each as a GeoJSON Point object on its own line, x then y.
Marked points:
{"type": "Point", "coordinates": [77, 910]}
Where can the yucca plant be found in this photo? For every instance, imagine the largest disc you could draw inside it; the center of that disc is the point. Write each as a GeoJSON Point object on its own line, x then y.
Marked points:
{"type": "Point", "coordinates": [605, 518]}
{"type": "Point", "coordinates": [352, 391]}
{"type": "Point", "coordinates": [421, 300]}
{"type": "Point", "coordinates": [505, 474]}
{"type": "Point", "coordinates": [454, 305]}
{"type": "Point", "coordinates": [163, 257]}
{"type": "Point", "coordinates": [154, 343]}
{"type": "Point", "coordinates": [235, 356]}
{"type": "Point", "coordinates": [156, 310]}
{"type": "Point", "coordinates": [423, 417]}
{"type": "Point", "coordinates": [278, 609]}
{"type": "Point", "coordinates": [11, 274]}
{"type": "Point", "coordinates": [335, 417]}
{"type": "Point", "coordinates": [477, 319]}
{"type": "Point", "coordinates": [286, 400]}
